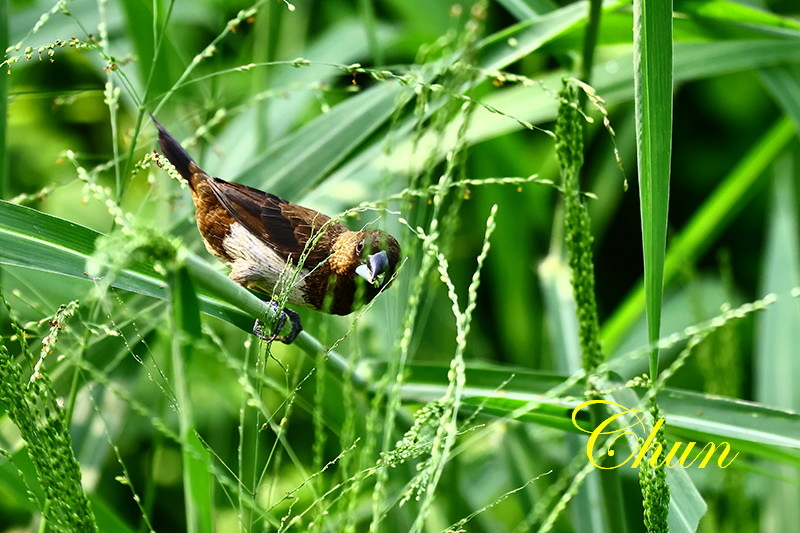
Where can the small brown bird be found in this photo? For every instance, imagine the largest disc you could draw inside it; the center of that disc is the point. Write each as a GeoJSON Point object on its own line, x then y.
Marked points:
{"type": "Point", "coordinates": [282, 249]}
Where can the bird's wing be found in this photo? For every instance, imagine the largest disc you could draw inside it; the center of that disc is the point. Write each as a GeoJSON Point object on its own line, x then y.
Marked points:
{"type": "Point", "coordinates": [286, 227]}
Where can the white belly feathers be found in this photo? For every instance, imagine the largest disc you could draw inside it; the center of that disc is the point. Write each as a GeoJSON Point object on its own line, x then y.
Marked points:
{"type": "Point", "coordinates": [255, 264]}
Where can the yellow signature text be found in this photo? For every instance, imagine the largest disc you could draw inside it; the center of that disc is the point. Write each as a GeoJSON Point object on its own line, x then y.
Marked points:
{"type": "Point", "coordinates": [614, 426]}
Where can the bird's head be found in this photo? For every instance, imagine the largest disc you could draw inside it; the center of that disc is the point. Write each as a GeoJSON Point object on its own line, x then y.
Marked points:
{"type": "Point", "coordinates": [371, 255]}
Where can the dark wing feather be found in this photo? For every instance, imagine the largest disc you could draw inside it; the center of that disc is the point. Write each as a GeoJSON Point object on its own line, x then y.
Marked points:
{"type": "Point", "coordinates": [284, 226]}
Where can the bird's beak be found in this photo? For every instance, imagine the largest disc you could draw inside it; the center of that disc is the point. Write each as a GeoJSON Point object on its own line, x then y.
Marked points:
{"type": "Point", "coordinates": [374, 270]}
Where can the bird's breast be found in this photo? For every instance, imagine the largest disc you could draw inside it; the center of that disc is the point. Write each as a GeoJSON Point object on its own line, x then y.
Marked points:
{"type": "Point", "coordinates": [256, 265]}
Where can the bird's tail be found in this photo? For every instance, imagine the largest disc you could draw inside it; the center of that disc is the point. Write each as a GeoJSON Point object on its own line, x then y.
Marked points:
{"type": "Point", "coordinates": [181, 160]}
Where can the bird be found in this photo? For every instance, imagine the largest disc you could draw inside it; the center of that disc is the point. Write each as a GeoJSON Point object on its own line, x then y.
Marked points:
{"type": "Point", "coordinates": [284, 250]}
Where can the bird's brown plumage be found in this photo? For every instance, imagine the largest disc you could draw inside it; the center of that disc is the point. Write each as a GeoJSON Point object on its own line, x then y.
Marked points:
{"type": "Point", "coordinates": [266, 240]}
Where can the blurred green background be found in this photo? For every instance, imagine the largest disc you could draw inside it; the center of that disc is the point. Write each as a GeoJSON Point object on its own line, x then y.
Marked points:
{"type": "Point", "coordinates": [249, 111]}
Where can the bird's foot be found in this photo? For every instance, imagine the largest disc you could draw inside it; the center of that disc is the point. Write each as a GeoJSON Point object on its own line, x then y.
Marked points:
{"type": "Point", "coordinates": [280, 321]}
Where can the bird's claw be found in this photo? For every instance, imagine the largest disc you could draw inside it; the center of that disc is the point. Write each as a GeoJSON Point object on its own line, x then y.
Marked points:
{"type": "Point", "coordinates": [284, 313]}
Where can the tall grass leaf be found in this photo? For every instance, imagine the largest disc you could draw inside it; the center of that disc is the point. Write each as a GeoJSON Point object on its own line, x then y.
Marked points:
{"type": "Point", "coordinates": [692, 61]}
{"type": "Point", "coordinates": [562, 324]}
{"type": "Point", "coordinates": [784, 83]}
{"type": "Point", "coordinates": [197, 482]}
{"type": "Point", "coordinates": [498, 51]}
{"type": "Point", "coordinates": [32, 239]}
{"type": "Point", "coordinates": [3, 103]}
{"type": "Point", "coordinates": [776, 364]}
{"type": "Point", "coordinates": [551, 398]}
{"type": "Point", "coordinates": [528, 9]}
{"type": "Point", "coordinates": [731, 11]}
{"type": "Point", "coordinates": [371, 29]}
{"type": "Point", "coordinates": [613, 81]}
{"type": "Point", "coordinates": [701, 60]}
{"type": "Point", "coordinates": [729, 198]}
{"type": "Point", "coordinates": [730, 418]}
{"type": "Point", "coordinates": [686, 506]}
{"type": "Point", "coordinates": [298, 162]}
{"type": "Point", "coordinates": [250, 133]}
{"type": "Point", "coordinates": [748, 428]}
{"type": "Point", "coordinates": [503, 48]}
{"type": "Point", "coordinates": [562, 320]}
{"type": "Point", "coordinates": [652, 75]}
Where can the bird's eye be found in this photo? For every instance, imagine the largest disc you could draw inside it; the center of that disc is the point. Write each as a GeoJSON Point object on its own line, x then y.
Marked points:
{"type": "Point", "coordinates": [360, 247]}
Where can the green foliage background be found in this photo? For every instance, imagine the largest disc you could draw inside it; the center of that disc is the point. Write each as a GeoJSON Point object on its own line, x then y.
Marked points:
{"type": "Point", "coordinates": [425, 116]}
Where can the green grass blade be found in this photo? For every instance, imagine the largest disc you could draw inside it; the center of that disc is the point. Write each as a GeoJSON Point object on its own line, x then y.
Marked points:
{"type": "Point", "coordinates": [686, 506]}
{"type": "Point", "coordinates": [729, 198]}
{"type": "Point", "coordinates": [197, 482]}
{"type": "Point", "coordinates": [731, 11]}
{"type": "Point", "coordinates": [548, 399]}
{"type": "Point", "coordinates": [371, 29]}
{"type": "Point", "coordinates": [652, 76]}
{"type": "Point", "coordinates": [724, 418]}
{"type": "Point", "coordinates": [32, 239]}
{"type": "Point", "coordinates": [506, 47]}
{"type": "Point", "coordinates": [777, 360]}
{"type": "Point", "coordinates": [784, 84]}
{"type": "Point", "coordinates": [590, 40]}
{"type": "Point", "coordinates": [299, 161]}
{"type": "Point", "coordinates": [702, 60]}
{"type": "Point", "coordinates": [3, 101]}
{"type": "Point", "coordinates": [776, 364]}
{"type": "Point", "coordinates": [707, 223]}
{"type": "Point", "coordinates": [693, 61]}
{"type": "Point", "coordinates": [528, 9]}
{"type": "Point", "coordinates": [250, 135]}
{"type": "Point", "coordinates": [497, 53]}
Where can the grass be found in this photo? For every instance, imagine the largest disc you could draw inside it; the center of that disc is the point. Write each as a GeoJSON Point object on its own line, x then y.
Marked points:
{"type": "Point", "coordinates": [447, 404]}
